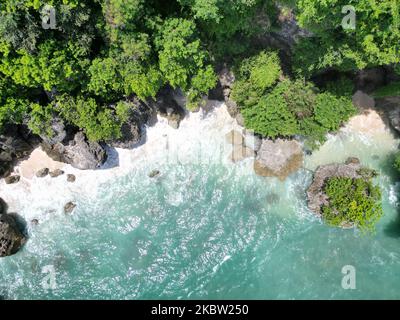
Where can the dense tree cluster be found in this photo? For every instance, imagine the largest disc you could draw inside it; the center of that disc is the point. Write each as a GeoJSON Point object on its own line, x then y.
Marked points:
{"type": "Point", "coordinates": [102, 53]}
{"type": "Point", "coordinates": [352, 202]}
{"type": "Point", "coordinates": [275, 106]}
{"type": "Point", "coordinates": [374, 40]}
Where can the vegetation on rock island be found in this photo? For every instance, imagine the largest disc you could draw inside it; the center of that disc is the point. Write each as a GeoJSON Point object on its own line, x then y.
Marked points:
{"type": "Point", "coordinates": [352, 202]}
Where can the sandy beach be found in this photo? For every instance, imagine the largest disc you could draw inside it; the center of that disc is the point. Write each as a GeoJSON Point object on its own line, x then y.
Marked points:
{"type": "Point", "coordinates": [369, 123]}
{"type": "Point", "coordinates": [36, 161]}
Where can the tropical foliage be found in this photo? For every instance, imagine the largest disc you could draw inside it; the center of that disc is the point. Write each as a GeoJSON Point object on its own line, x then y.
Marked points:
{"type": "Point", "coordinates": [286, 108]}
{"type": "Point", "coordinates": [352, 202]}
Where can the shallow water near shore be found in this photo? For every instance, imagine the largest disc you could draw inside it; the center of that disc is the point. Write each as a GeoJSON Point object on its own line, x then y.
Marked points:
{"type": "Point", "coordinates": [203, 229]}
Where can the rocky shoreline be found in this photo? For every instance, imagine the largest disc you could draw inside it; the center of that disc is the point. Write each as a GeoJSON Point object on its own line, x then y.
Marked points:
{"type": "Point", "coordinates": [11, 235]}
{"type": "Point", "coordinates": [315, 195]}
{"type": "Point", "coordinates": [273, 158]}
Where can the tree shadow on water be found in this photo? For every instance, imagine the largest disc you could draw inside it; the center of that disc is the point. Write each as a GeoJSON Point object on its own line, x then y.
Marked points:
{"type": "Point", "coordinates": [393, 228]}
{"type": "Point", "coordinates": [388, 168]}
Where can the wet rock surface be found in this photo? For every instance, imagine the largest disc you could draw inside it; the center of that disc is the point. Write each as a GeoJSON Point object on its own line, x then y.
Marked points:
{"type": "Point", "coordinates": [11, 237]}
{"type": "Point", "coordinates": [12, 179]}
{"type": "Point", "coordinates": [42, 173]}
{"type": "Point", "coordinates": [79, 152]}
{"type": "Point", "coordinates": [278, 158]}
{"type": "Point", "coordinates": [315, 194]}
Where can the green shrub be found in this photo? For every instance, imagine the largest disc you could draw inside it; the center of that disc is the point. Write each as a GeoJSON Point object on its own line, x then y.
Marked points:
{"type": "Point", "coordinates": [352, 201]}
{"type": "Point", "coordinates": [40, 120]}
{"type": "Point", "coordinates": [397, 69]}
{"type": "Point", "coordinates": [343, 87]}
{"type": "Point", "coordinates": [254, 76]}
{"type": "Point", "coordinates": [271, 116]}
{"type": "Point", "coordinates": [374, 42]}
{"type": "Point", "coordinates": [331, 111]}
{"type": "Point", "coordinates": [99, 122]}
{"type": "Point", "coordinates": [293, 108]}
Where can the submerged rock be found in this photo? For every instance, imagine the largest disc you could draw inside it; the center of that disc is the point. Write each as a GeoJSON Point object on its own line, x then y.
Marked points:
{"type": "Point", "coordinates": [11, 238]}
{"type": "Point", "coordinates": [352, 160]}
{"type": "Point", "coordinates": [315, 194]}
{"type": "Point", "coordinates": [272, 198]}
{"type": "Point", "coordinates": [42, 173]}
{"type": "Point", "coordinates": [71, 178]}
{"type": "Point", "coordinates": [56, 173]}
{"type": "Point", "coordinates": [154, 173]}
{"type": "Point", "coordinates": [278, 158]}
{"type": "Point", "coordinates": [34, 222]}
{"type": "Point", "coordinates": [69, 207]}
{"type": "Point", "coordinates": [12, 179]}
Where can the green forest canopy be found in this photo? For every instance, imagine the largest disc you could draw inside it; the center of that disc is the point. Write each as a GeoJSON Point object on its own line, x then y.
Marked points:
{"type": "Point", "coordinates": [104, 51]}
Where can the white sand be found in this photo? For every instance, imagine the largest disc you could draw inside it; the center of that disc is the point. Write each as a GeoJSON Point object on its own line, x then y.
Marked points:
{"type": "Point", "coordinates": [369, 123]}
{"type": "Point", "coordinates": [36, 161]}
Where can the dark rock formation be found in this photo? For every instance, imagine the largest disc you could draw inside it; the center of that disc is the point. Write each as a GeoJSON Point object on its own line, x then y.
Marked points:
{"type": "Point", "coordinates": [79, 152]}
{"type": "Point", "coordinates": [59, 132]}
{"type": "Point", "coordinates": [363, 101]}
{"type": "Point", "coordinates": [11, 237]}
{"type": "Point", "coordinates": [133, 130]}
{"type": "Point", "coordinates": [368, 80]}
{"type": "Point", "coordinates": [278, 158]}
{"type": "Point", "coordinates": [226, 80]}
{"type": "Point", "coordinates": [3, 206]}
{"type": "Point", "coordinates": [69, 207]}
{"type": "Point", "coordinates": [283, 38]}
{"type": "Point", "coordinates": [315, 194]}
{"type": "Point", "coordinates": [42, 173]}
{"type": "Point", "coordinates": [56, 173]}
{"type": "Point", "coordinates": [71, 178]}
{"type": "Point", "coordinates": [16, 143]}
{"type": "Point", "coordinates": [390, 108]}
{"type": "Point", "coordinates": [169, 105]}
{"type": "Point", "coordinates": [352, 160]}
{"type": "Point", "coordinates": [240, 120]}
{"type": "Point", "coordinates": [12, 179]}
{"type": "Point", "coordinates": [154, 173]}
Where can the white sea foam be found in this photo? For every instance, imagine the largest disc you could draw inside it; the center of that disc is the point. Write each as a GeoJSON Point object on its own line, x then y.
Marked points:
{"type": "Point", "coordinates": [199, 140]}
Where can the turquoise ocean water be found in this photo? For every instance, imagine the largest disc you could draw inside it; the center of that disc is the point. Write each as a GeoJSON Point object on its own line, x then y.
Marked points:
{"type": "Point", "coordinates": [208, 231]}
